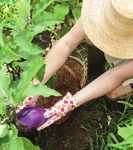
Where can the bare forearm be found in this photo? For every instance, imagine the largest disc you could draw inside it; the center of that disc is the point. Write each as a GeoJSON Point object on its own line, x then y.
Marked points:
{"type": "Point", "coordinates": [105, 83]}
{"type": "Point", "coordinates": [55, 59]}
{"type": "Point", "coordinates": [62, 49]}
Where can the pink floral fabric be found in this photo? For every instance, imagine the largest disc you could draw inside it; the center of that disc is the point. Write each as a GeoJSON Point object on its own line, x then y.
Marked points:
{"type": "Point", "coordinates": [29, 101]}
{"type": "Point", "coordinates": [53, 114]}
{"type": "Point", "coordinates": [60, 109]}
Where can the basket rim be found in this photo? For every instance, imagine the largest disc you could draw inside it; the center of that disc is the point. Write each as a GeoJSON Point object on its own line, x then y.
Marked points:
{"type": "Point", "coordinates": [80, 81]}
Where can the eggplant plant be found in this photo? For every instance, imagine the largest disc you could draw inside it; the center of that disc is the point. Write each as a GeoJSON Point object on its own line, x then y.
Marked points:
{"type": "Point", "coordinates": [21, 60]}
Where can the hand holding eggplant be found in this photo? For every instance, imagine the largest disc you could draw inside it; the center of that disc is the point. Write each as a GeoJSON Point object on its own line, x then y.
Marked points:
{"type": "Point", "coordinates": [33, 117]}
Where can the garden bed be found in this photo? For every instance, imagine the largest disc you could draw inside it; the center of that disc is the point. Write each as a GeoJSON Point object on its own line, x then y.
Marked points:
{"type": "Point", "coordinates": [80, 131]}
{"type": "Point", "coordinates": [28, 30]}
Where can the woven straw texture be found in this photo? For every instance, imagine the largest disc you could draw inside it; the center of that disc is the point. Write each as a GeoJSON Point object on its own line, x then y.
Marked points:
{"type": "Point", "coordinates": [109, 26]}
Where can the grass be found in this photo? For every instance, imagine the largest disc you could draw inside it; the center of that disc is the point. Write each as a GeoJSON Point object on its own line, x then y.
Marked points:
{"type": "Point", "coordinates": [103, 132]}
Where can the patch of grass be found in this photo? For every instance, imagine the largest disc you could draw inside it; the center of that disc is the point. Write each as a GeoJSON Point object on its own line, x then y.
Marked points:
{"type": "Point", "coordinates": [102, 129]}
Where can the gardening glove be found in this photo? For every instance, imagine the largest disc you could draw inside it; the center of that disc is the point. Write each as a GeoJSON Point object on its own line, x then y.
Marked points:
{"type": "Point", "coordinates": [39, 118]}
{"type": "Point", "coordinates": [29, 101]}
{"type": "Point", "coordinates": [59, 110]}
{"type": "Point", "coordinates": [27, 114]}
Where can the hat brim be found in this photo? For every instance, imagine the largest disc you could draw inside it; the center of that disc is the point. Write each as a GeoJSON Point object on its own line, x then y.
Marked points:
{"type": "Point", "coordinates": [100, 32]}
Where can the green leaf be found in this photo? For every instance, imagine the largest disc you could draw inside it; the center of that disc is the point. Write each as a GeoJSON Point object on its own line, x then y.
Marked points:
{"type": "Point", "coordinates": [7, 55]}
{"type": "Point", "coordinates": [4, 140]}
{"type": "Point", "coordinates": [1, 36]}
{"type": "Point", "coordinates": [13, 142]}
{"type": "Point", "coordinates": [60, 11]}
{"type": "Point", "coordinates": [40, 74]}
{"type": "Point", "coordinates": [4, 82]}
{"type": "Point", "coordinates": [33, 67]}
{"type": "Point", "coordinates": [45, 17]}
{"type": "Point", "coordinates": [39, 8]}
{"type": "Point", "coordinates": [25, 47]}
{"type": "Point", "coordinates": [2, 108]}
{"type": "Point", "coordinates": [16, 144]}
{"type": "Point", "coordinates": [44, 26]}
{"type": "Point", "coordinates": [46, 21]}
{"type": "Point", "coordinates": [3, 130]}
{"type": "Point", "coordinates": [23, 8]}
{"type": "Point", "coordinates": [125, 132]}
{"type": "Point", "coordinates": [76, 12]}
{"type": "Point", "coordinates": [28, 145]}
{"type": "Point", "coordinates": [40, 89]}
{"type": "Point", "coordinates": [23, 13]}
{"type": "Point", "coordinates": [13, 134]}
{"type": "Point", "coordinates": [23, 43]}
{"type": "Point", "coordinates": [20, 22]}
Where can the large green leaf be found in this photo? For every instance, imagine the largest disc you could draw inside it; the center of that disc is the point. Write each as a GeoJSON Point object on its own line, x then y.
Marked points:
{"type": "Point", "coordinates": [20, 22]}
{"type": "Point", "coordinates": [60, 11]}
{"type": "Point", "coordinates": [23, 8]}
{"type": "Point", "coordinates": [23, 13]}
{"type": "Point", "coordinates": [40, 7]}
{"type": "Point", "coordinates": [16, 143]}
{"type": "Point", "coordinates": [23, 43]}
{"type": "Point", "coordinates": [125, 132]}
{"type": "Point", "coordinates": [40, 74]}
{"type": "Point", "coordinates": [45, 17]}
{"type": "Point", "coordinates": [2, 107]}
{"type": "Point", "coordinates": [44, 26]}
{"type": "Point", "coordinates": [1, 36]}
{"type": "Point", "coordinates": [28, 145]}
{"type": "Point", "coordinates": [47, 20]}
{"type": "Point", "coordinates": [33, 67]}
{"type": "Point", "coordinates": [40, 89]}
{"type": "Point", "coordinates": [25, 47]}
{"type": "Point", "coordinates": [3, 130]}
{"type": "Point", "coordinates": [4, 83]}
{"type": "Point", "coordinates": [7, 55]}
{"type": "Point", "coordinates": [13, 142]}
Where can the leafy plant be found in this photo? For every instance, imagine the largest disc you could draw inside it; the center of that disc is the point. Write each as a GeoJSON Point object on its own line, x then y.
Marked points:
{"type": "Point", "coordinates": [123, 140]}
{"type": "Point", "coordinates": [126, 134]}
{"type": "Point", "coordinates": [21, 60]}
{"type": "Point", "coordinates": [73, 15]}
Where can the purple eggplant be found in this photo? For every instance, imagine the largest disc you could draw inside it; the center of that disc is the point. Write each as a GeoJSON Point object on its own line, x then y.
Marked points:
{"type": "Point", "coordinates": [31, 117]}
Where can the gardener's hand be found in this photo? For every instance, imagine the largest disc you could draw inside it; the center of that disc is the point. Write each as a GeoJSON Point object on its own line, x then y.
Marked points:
{"type": "Point", "coordinates": [39, 118]}
{"type": "Point", "coordinates": [29, 101]}
{"type": "Point", "coordinates": [60, 109]}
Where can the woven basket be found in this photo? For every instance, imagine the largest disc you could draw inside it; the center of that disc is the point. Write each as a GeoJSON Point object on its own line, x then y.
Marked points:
{"type": "Point", "coordinates": [71, 77]}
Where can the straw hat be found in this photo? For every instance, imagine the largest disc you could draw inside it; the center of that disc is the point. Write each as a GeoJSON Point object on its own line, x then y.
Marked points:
{"type": "Point", "coordinates": [109, 25]}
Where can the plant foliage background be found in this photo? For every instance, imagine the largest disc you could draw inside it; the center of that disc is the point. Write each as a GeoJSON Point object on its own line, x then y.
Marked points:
{"type": "Point", "coordinates": [21, 60]}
